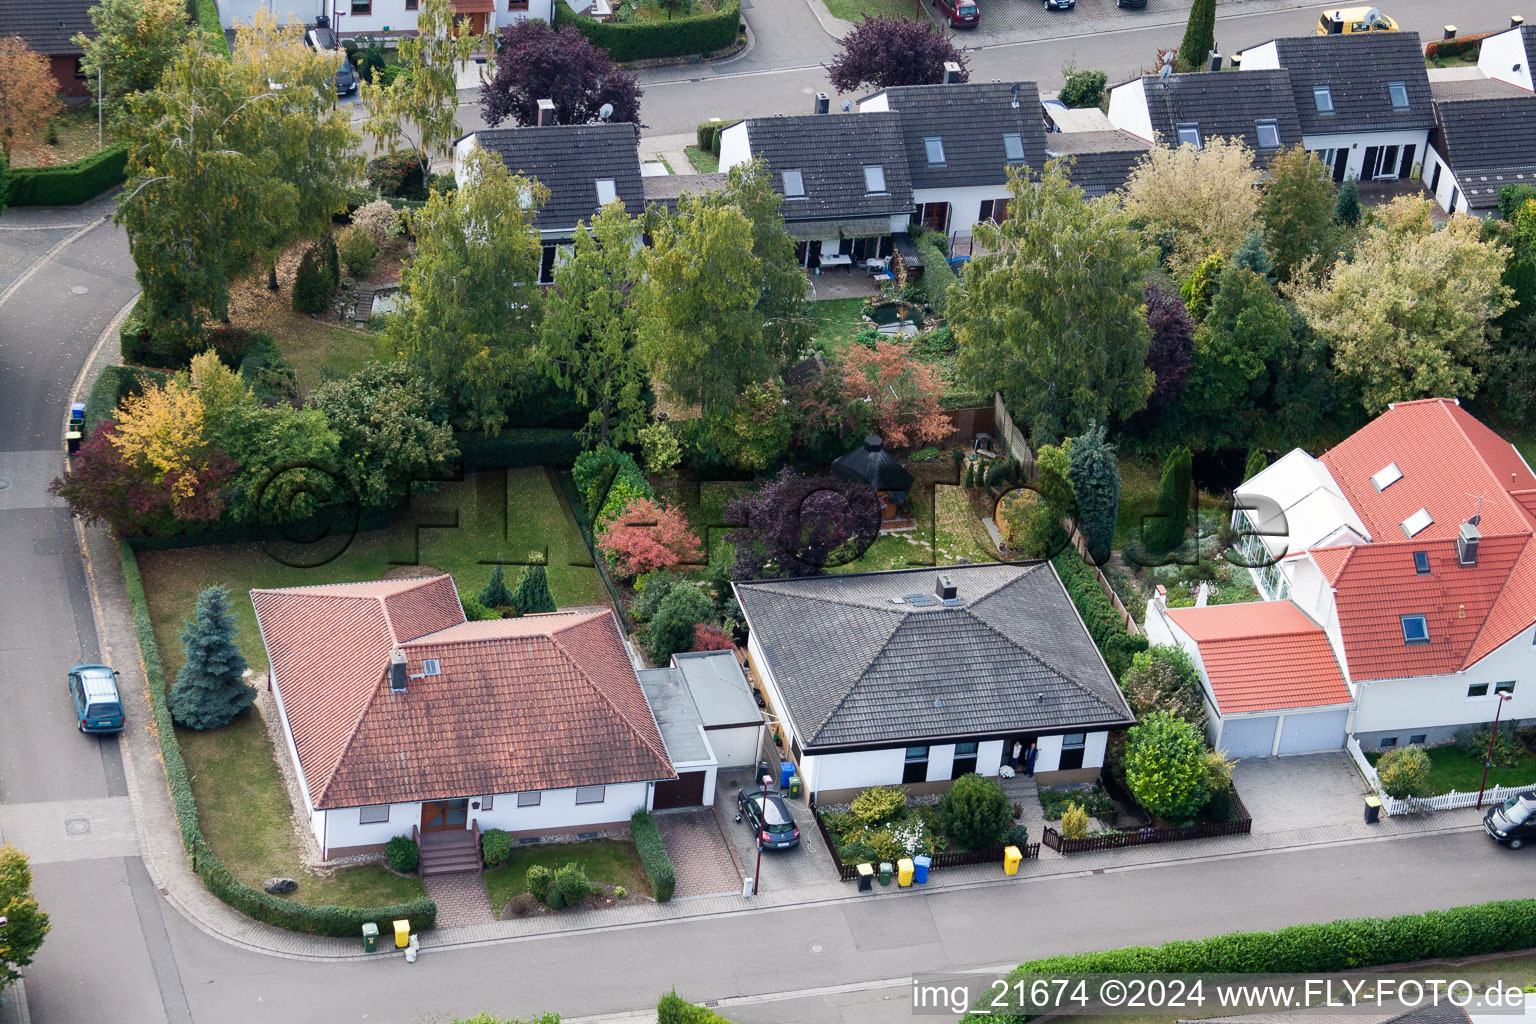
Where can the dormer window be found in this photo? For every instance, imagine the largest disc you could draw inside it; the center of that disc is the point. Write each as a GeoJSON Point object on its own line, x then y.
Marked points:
{"type": "Point", "coordinates": [1322, 95]}
{"type": "Point", "coordinates": [1189, 135]}
{"type": "Point", "coordinates": [1421, 563]}
{"type": "Point", "coordinates": [1399, 93]}
{"type": "Point", "coordinates": [606, 193]}
{"type": "Point", "coordinates": [1415, 629]}
{"type": "Point", "coordinates": [1386, 476]}
{"type": "Point", "coordinates": [1013, 147]}
{"type": "Point", "coordinates": [1269, 134]}
{"type": "Point", "coordinates": [794, 185]}
{"type": "Point", "coordinates": [934, 147]}
{"type": "Point", "coordinates": [1415, 524]}
{"type": "Point", "coordinates": [874, 179]}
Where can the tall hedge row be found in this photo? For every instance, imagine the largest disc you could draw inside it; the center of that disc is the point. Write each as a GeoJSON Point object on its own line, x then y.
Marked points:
{"type": "Point", "coordinates": [276, 910]}
{"type": "Point", "coordinates": [518, 447]}
{"type": "Point", "coordinates": [647, 40]}
{"type": "Point", "coordinates": [653, 855]}
{"type": "Point", "coordinates": [1104, 623]}
{"type": "Point", "coordinates": [1345, 945]}
{"type": "Point", "coordinates": [68, 184]}
{"type": "Point", "coordinates": [205, 14]}
{"type": "Point", "coordinates": [938, 275]}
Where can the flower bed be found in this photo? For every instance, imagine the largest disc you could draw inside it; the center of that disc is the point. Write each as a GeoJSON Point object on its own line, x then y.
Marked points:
{"type": "Point", "coordinates": [1240, 824]}
{"type": "Point", "coordinates": [915, 827]}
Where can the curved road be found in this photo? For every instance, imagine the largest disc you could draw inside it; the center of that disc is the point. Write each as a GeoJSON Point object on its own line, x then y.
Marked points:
{"type": "Point", "coordinates": [120, 952]}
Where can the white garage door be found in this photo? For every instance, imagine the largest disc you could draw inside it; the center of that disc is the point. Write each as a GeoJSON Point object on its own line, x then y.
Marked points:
{"type": "Point", "coordinates": [736, 747]}
{"type": "Point", "coordinates": [1249, 737]}
{"type": "Point", "coordinates": [1319, 730]}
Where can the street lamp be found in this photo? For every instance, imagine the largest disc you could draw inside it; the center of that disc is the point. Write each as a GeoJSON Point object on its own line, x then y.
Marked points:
{"type": "Point", "coordinates": [1488, 758]}
{"type": "Point", "coordinates": [757, 874]}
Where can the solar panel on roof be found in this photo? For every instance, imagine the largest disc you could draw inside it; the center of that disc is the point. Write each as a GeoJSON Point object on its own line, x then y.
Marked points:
{"type": "Point", "coordinates": [921, 600]}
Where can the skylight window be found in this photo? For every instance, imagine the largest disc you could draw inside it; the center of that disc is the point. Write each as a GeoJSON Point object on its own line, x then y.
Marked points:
{"type": "Point", "coordinates": [1386, 476]}
{"type": "Point", "coordinates": [934, 146]}
{"type": "Point", "coordinates": [432, 667]}
{"type": "Point", "coordinates": [1269, 134]}
{"type": "Point", "coordinates": [1415, 629]}
{"type": "Point", "coordinates": [1399, 93]}
{"type": "Point", "coordinates": [606, 193]}
{"type": "Point", "coordinates": [794, 185]}
{"type": "Point", "coordinates": [1322, 95]}
{"type": "Point", "coordinates": [1414, 524]}
{"type": "Point", "coordinates": [1013, 146]}
{"type": "Point", "coordinates": [1189, 135]}
{"type": "Point", "coordinates": [874, 178]}
{"type": "Point", "coordinates": [1421, 562]}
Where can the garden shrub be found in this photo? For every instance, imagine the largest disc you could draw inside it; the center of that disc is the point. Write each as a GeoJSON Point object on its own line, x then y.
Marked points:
{"type": "Point", "coordinates": [685, 36]}
{"type": "Point", "coordinates": [1454, 47]}
{"type": "Point", "coordinates": [605, 478]}
{"type": "Point", "coordinates": [311, 287]}
{"type": "Point", "coordinates": [1404, 772]}
{"type": "Point", "coordinates": [1083, 87]}
{"type": "Point", "coordinates": [398, 174]}
{"type": "Point", "coordinates": [532, 595]}
{"type": "Point", "coordinates": [1093, 801]}
{"type": "Point", "coordinates": [938, 275]}
{"type": "Point", "coordinates": [650, 590]}
{"type": "Point", "coordinates": [495, 846]}
{"type": "Point", "coordinates": [704, 135]}
{"type": "Point", "coordinates": [402, 854]}
{"type": "Point", "coordinates": [345, 922]}
{"type": "Point", "coordinates": [1104, 623]}
{"type": "Point", "coordinates": [1343, 945]}
{"type": "Point", "coordinates": [1074, 822]}
{"type": "Point", "coordinates": [358, 249]}
{"type": "Point", "coordinates": [670, 630]}
{"type": "Point", "coordinates": [68, 184]}
{"type": "Point", "coordinates": [674, 1010]}
{"type": "Point", "coordinates": [1504, 752]}
{"type": "Point", "coordinates": [878, 804]}
{"type": "Point", "coordinates": [975, 813]}
{"type": "Point", "coordinates": [539, 878]}
{"type": "Point", "coordinates": [660, 448]}
{"type": "Point", "coordinates": [378, 220]}
{"type": "Point", "coordinates": [653, 855]}
{"type": "Point", "coordinates": [1165, 767]}
{"type": "Point", "coordinates": [1017, 835]}
{"type": "Point", "coordinates": [113, 384]}
{"type": "Point", "coordinates": [1512, 198]}
{"type": "Point", "coordinates": [567, 888]}
{"type": "Point", "coordinates": [474, 611]}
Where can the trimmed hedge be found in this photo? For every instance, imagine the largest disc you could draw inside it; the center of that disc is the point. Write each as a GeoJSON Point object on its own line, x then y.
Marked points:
{"type": "Point", "coordinates": [345, 922]}
{"type": "Point", "coordinates": [1454, 47]}
{"type": "Point", "coordinates": [68, 184]}
{"type": "Point", "coordinates": [689, 36]}
{"type": "Point", "coordinates": [1344, 945]}
{"type": "Point", "coordinates": [113, 384]}
{"type": "Point", "coordinates": [522, 446]}
{"type": "Point", "coordinates": [653, 855]}
{"type": "Point", "coordinates": [673, 1009]}
{"type": "Point", "coordinates": [938, 275]}
{"type": "Point", "coordinates": [205, 13]}
{"type": "Point", "coordinates": [495, 847]}
{"type": "Point", "coordinates": [1104, 623]}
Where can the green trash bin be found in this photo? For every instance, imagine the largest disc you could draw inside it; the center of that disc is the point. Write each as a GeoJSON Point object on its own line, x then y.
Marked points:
{"type": "Point", "coordinates": [794, 786]}
{"type": "Point", "coordinates": [370, 937]}
{"type": "Point", "coordinates": [885, 872]}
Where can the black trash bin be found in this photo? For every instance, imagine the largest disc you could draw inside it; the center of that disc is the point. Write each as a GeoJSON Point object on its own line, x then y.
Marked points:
{"type": "Point", "coordinates": [1372, 809]}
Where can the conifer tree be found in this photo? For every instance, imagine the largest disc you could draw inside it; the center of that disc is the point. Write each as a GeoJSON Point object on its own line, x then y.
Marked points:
{"type": "Point", "coordinates": [210, 689]}
{"type": "Point", "coordinates": [532, 595]}
{"type": "Point", "coordinates": [495, 594]}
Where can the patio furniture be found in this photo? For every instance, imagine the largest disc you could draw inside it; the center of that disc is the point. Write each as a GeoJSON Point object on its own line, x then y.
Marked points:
{"type": "Point", "coordinates": [876, 267]}
{"type": "Point", "coordinates": [837, 260]}
{"type": "Point", "coordinates": [882, 277]}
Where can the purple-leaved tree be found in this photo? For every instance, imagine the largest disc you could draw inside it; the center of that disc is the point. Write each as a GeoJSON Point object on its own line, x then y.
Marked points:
{"type": "Point", "coordinates": [534, 62]}
{"type": "Point", "coordinates": [882, 52]}
{"type": "Point", "coordinates": [1173, 343]}
{"type": "Point", "coordinates": [798, 525]}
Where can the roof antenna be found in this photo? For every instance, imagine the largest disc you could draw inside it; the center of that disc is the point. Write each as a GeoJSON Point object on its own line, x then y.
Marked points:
{"type": "Point", "coordinates": [1167, 66]}
{"type": "Point", "coordinates": [1477, 517]}
{"type": "Point", "coordinates": [1015, 103]}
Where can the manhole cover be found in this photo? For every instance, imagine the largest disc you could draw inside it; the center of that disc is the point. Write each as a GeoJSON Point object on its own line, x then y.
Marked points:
{"type": "Point", "coordinates": [4, 483]}
{"type": "Point", "coordinates": [77, 826]}
{"type": "Point", "coordinates": [79, 289]}
{"type": "Point", "coordinates": [816, 948]}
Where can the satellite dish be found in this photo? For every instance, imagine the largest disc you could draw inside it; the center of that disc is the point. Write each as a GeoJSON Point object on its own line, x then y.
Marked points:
{"type": "Point", "coordinates": [605, 111]}
{"type": "Point", "coordinates": [1164, 71]}
{"type": "Point", "coordinates": [847, 105]}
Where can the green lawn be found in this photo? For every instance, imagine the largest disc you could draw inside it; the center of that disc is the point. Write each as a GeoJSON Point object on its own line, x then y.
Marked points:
{"type": "Point", "coordinates": [605, 860]}
{"type": "Point", "coordinates": [1462, 770]}
{"type": "Point", "coordinates": [318, 350]}
{"type": "Point", "coordinates": [854, 10]}
{"type": "Point", "coordinates": [837, 321]}
{"type": "Point", "coordinates": [1139, 481]}
{"type": "Point", "coordinates": [244, 809]}
{"type": "Point", "coordinates": [703, 163]}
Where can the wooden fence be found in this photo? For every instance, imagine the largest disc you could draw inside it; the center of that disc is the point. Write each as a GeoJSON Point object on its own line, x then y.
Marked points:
{"type": "Point", "coordinates": [1011, 438]}
{"type": "Point", "coordinates": [1492, 796]}
{"type": "Point", "coordinates": [946, 859]}
{"type": "Point", "coordinates": [1114, 599]}
{"type": "Point", "coordinates": [1240, 826]}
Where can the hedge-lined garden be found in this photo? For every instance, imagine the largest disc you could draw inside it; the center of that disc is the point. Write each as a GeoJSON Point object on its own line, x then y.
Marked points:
{"type": "Point", "coordinates": [205, 14]}
{"type": "Point", "coordinates": [1104, 623]}
{"type": "Point", "coordinates": [68, 184]}
{"type": "Point", "coordinates": [1344, 945]}
{"type": "Point", "coordinates": [688, 36]}
{"type": "Point", "coordinates": [254, 902]}
{"type": "Point", "coordinates": [653, 855]}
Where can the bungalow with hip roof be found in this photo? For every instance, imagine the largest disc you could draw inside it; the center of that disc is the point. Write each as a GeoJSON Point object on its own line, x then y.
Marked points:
{"type": "Point", "coordinates": [403, 718]}
{"type": "Point", "coordinates": [918, 676]}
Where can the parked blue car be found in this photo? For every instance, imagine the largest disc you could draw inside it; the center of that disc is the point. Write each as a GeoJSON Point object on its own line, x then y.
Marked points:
{"type": "Point", "coordinates": [98, 706]}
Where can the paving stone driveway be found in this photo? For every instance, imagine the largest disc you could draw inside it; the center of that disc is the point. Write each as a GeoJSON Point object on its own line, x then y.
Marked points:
{"type": "Point", "coordinates": [461, 898]}
{"type": "Point", "coordinates": [808, 864]}
{"type": "Point", "coordinates": [699, 855]}
{"type": "Point", "coordinates": [1304, 791]}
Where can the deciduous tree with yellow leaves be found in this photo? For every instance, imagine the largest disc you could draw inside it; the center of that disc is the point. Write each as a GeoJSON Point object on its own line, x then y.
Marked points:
{"type": "Point", "coordinates": [1204, 199]}
{"type": "Point", "coordinates": [28, 97]}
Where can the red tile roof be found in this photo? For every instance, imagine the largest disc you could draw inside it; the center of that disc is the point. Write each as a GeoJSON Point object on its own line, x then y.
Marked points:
{"type": "Point", "coordinates": [541, 702]}
{"type": "Point", "coordinates": [1448, 459]}
{"type": "Point", "coordinates": [1263, 656]}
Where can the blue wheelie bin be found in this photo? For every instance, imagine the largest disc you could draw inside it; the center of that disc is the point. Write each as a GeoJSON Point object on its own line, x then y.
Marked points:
{"type": "Point", "coordinates": [786, 772]}
{"type": "Point", "coordinates": [920, 866]}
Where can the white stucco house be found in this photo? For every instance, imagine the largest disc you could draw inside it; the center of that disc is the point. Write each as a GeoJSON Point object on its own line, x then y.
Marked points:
{"type": "Point", "coordinates": [403, 718]}
{"type": "Point", "coordinates": [916, 677]}
{"type": "Point", "coordinates": [387, 18]}
{"type": "Point", "coordinates": [1411, 548]}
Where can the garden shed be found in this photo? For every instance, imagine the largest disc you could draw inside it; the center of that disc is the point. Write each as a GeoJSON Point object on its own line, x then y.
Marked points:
{"type": "Point", "coordinates": [877, 467]}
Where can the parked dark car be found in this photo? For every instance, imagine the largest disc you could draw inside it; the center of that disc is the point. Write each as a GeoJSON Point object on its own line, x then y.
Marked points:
{"type": "Point", "coordinates": [1059, 5]}
{"type": "Point", "coordinates": [960, 13]}
{"type": "Point", "coordinates": [98, 706]}
{"type": "Point", "coordinates": [1130, 3]}
{"type": "Point", "coordinates": [774, 825]}
{"type": "Point", "coordinates": [1513, 822]}
{"type": "Point", "coordinates": [323, 40]}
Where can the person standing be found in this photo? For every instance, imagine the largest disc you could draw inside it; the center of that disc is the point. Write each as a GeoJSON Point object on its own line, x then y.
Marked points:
{"type": "Point", "coordinates": [1018, 750]}
{"type": "Point", "coordinates": [1029, 760]}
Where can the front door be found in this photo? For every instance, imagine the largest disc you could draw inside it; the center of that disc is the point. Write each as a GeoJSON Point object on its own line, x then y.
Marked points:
{"type": "Point", "coordinates": [444, 815]}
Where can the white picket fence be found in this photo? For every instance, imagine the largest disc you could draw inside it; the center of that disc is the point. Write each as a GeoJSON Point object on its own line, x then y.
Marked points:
{"type": "Point", "coordinates": [1420, 804]}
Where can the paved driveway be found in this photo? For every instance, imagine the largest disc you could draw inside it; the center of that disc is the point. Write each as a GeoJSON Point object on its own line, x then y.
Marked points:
{"type": "Point", "coordinates": [700, 857]}
{"type": "Point", "coordinates": [1306, 791]}
{"type": "Point", "coordinates": [808, 864]}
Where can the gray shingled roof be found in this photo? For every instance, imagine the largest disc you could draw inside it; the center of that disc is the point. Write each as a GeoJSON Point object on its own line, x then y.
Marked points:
{"type": "Point", "coordinates": [1472, 89]}
{"type": "Point", "coordinates": [1357, 70]}
{"type": "Point", "coordinates": [856, 669]}
{"type": "Point", "coordinates": [1101, 161]}
{"type": "Point", "coordinates": [667, 189]}
{"type": "Point", "coordinates": [47, 25]}
{"type": "Point", "coordinates": [831, 151]}
{"type": "Point", "coordinates": [1224, 103]}
{"type": "Point", "coordinates": [569, 160]}
{"type": "Point", "coordinates": [971, 119]}
{"type": "Point", "coordinates": [1489, 143]}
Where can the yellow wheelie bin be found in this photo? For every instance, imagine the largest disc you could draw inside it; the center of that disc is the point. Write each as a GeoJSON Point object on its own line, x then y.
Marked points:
{"type": "Point", "coordinates": [904, 872]}
{"type": "Point", "coordinates": [1011, 857]}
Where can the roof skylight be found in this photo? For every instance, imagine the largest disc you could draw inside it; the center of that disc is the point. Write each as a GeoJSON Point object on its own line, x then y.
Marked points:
{"type": "Point", "coordinates": [1386, 476]}
{"type": "Point", "coordinates": [1415, 524]}
{"type": "Point", "coordinates": [794, 184]}
{"type": "Point", "coordinates": [606, 193]}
